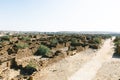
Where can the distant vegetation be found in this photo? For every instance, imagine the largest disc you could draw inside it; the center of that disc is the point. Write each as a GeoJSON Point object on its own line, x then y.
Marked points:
{"type": "Point", "coordinates": [48, 47]}
{"type": "Point", "coordinates": [29, 69]}
{"type": "Point", "coordinates": [22, 45]}
{"type": "Point", "coordinates": [43, 50]}
{"type": "Point", "coordinates": [117, 44]}
{"type": "Point", "coordinates": [26, 38]}
{"type": "Point", "coordinates": [74, 40]}
{"type": "Point", "coordinates": [54, 42]}
{"type": "Point", "coordinates": [97, 40]}
{"type": "Point", "coordinates": [5, 38]}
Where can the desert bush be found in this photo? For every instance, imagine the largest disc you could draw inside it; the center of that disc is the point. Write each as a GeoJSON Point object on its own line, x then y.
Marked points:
{"type": "Point", "coordinates": [54, 41]}
{"type": "Point", "coordinates": [117, 39]}
{"type": "Point", "coordinates": [117, 43]}
{"type": "Point", "coordinates": [60, 40]}
{"type": "Point", "coordinates": [26, 38]}
{"type": "Point", "coordinates": [29, 69]}
{"type": "Point", "coordinates": [97, 40]}
{"type": "Point", "coordinates": [73, 40]}
{"type": "Point", "coordinates": [7, 38]}
{"type": "Point", "coordinates": [31, 64]}
{"type": "Point", "coordinates": [44, 51]}
{"type": "Point", "coordinates": [107, 36]}
{"type": "Point", "coordinates": [22, 46]}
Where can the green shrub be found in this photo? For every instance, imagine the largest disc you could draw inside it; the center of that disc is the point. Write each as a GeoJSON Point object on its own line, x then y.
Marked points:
{"type": "Point", "coordinates": [54, 41]}
{"type": "Point", "coordinates": [26, 38]}
{"type": "Point", "coordinates": [97, 40]}
{"type": "Point", "coordinates": [74, 40]}
{"type": "Point", "coordinates": [60, 40]}
{"type": "Point", "coordinates": [43, 50]}
{"type": "Point", "coordinates": [21, 45]}
{"type": "Point", "coordinates": [29, 69]}
{"type": "Point", "coordinates": [31, 64]}
{"type": "Point", "coordinates": [5, 38]}
{"type": "Point", "coordinates": [117, 43]}
{"type": "Point", "coordinates": [117, 39]}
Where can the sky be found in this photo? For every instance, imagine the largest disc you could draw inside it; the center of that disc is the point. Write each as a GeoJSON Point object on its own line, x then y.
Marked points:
{"type": "Point", "coordinates": [60, 15]}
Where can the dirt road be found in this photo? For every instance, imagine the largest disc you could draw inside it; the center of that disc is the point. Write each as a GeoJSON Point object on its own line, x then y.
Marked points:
{"type": "Point", "coordinates": [63, 69]}
{"type": "Point", "coordinates": [82, 66]}
{"type": "Point", "coordinates": [88, 71]}
{"type": "Point", "coordinates": [110, 70]}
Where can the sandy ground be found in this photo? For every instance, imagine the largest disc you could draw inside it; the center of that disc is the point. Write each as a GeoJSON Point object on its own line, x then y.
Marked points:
{"type": "Point", "coordinates": [109, 71]}
{"type": "Point", "coordinates": [82, 66]}
{"type": "Point", "coordinates": [85, 65]}
{"type": "Point", "coordinates": [65, 68]}
{"type": "Point", "coordinates": [60, 70]}
{"type": "Point", "coordinates": [88, 71]}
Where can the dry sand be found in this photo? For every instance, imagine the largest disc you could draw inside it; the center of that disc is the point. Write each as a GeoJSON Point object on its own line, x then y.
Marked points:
{"type": "Point", "coordinates": [65, 68]}
{"type": "Point", "coordinates": [109, 71]}
{"type": "Point", "coordinates": [88, 71]}
{"type": "Point", "coordinates": [83, 66]}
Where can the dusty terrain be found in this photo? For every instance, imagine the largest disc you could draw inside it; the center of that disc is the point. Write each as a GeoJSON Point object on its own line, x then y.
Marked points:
{"type": "Point", "coordinates": [109, 71]}
{"type": "Point", "coordinates": [54, 57]}
{"type": "Point", "coordinates": [65, 68]}
{"type": "Point", "coordinates": [86, 65]}
{"type": "Point", "coordinates": [26, 56]}
{"type": "Point", "coordinates": [89, 70]}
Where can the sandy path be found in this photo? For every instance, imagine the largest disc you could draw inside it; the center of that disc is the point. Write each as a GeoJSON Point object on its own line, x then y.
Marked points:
{"type": "Point", "coordinates": [109, 71]}
{"type": "Point", "coordinates": [89, 70]}
{"type": "Point", "coordinates": [65, 67]}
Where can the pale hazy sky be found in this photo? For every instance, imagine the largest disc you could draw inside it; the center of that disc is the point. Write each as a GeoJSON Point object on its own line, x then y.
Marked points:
{"type": "Point", "coordinates": [60, 15]}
